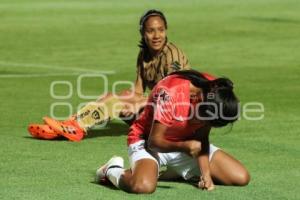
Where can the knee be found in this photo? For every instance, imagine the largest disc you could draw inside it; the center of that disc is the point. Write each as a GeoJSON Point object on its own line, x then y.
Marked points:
{"type": "Point", "coordinates": [125, 92]}
{"type": "Point", "coordinates": [105, 97]}
{"type": "Point", "coordinates": [243, 178]}
{"type": "Point", "coordinates": [142, 187]}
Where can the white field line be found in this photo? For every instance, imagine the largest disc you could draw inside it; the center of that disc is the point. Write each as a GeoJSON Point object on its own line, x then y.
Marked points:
{"type": "Point", "coordinates": [42, 66]}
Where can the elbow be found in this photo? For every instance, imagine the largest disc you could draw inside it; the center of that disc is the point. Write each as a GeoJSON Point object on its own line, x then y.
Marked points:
{"type": "Point", "coordinates": [153, 145]}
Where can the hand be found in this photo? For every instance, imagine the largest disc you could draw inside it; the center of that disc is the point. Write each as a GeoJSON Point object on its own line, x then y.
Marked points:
{"type": "Point", "coordinates": [133, 105]}
{"type": "Point", "coordinates": [206, 183]}
{"type": "Point", "coordinates": [127, 111]}
{"type": "Point", "coordinates": [193, 147]}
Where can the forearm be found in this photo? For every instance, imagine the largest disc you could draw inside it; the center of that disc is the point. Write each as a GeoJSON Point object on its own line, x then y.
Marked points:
{"type": "Point", "coordinates": [206, 182]}
{"type": "Point", "coordinates": [203, 163]}
{"type": "Point", "coordinates": [165, 146]}
{"type": "Point", "coordinates": [158, 142]}
{"type": "Point", "coordinates": [139, 87]}
{"type": "Point", "coordinates": [203, 159]}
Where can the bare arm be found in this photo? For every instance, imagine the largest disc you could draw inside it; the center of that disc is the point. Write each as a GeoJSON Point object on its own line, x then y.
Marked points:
{"type": "Point", "coordinates": [133, 100]}
{"type": "Point", "coordinates": [206, 182]}
{"type": "Point", "coordinates": [138, 87]}
{"type": "Point", "coordinates": [157, 142]}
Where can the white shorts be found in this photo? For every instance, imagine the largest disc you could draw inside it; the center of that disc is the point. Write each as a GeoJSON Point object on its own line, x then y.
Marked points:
{"type": "Point", "coordinates": [182, 164]}
{"type": "Point", "coordinates": [179, 162]}
{"type": "Point", "coordinates": [137, 151]}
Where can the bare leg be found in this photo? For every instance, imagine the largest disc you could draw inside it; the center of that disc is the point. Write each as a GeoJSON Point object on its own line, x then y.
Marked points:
{"type": "Point", "coordinates": [142, 179]}
{"type": "Point", "coordinates": [128, 104]}
{"type": "Point", "coordinates": [127, 97]}
{"type": "Point", "coordinates": [169, 175]}
{"type": "Point", "coordinates": [226, 170]}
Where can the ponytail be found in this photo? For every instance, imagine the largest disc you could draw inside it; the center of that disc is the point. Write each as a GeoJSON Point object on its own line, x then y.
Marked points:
{"type": "Point", "coordinates": [195, 77]}
{"type": "Point", "coordinates": [222, 101]}
{"type": "Point", "coordinates": [219, 98]}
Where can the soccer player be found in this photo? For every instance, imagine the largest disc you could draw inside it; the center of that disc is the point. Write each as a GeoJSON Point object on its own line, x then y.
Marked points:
{"type": "Point", "coordinates": [173, 130]}
{"type": "Point", "coordinates": [156, 59]}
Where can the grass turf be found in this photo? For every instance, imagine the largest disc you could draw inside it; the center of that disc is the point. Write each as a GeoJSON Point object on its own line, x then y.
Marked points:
{"type": "Point", "coordinates": [254, 43]}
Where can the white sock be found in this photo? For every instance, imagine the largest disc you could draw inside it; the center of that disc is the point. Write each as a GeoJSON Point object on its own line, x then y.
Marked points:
{"type": "Point", "coordinates": [114, 175]}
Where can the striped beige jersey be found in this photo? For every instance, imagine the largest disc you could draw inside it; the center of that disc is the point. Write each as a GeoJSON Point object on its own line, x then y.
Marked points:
{"type": "Point", "coordinates": [153, 69]}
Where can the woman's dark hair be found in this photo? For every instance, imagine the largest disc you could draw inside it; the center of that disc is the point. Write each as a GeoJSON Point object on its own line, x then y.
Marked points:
{"type": "Point", "coordinates": [143, 20]}
{"type": "Point", "coordinates": [220, 105]}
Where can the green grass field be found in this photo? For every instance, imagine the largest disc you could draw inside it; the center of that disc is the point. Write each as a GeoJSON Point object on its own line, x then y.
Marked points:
{"type": "Point", "coordinates": [255, 43]}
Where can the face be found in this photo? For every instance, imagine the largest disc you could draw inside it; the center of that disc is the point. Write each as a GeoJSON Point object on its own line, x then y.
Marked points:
{"type": "Point", "coordinates": [155, 34]}
{"type": "Point", "coordinates": [196, 94]}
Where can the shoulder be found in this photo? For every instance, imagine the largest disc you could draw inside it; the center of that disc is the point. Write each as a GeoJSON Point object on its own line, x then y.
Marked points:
{"type": "Point", "coordinates": [171, 48]}
{"type": "Point", "coordinates": [173, 83]}
{"type": "Point", "coordinates": [174, 58]}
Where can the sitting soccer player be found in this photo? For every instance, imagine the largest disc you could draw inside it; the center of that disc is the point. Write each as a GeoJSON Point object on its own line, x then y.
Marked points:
{"type": "Point", "coordinates": [173, 130]}
{"type": "Point", "coordinates": [156, 59]}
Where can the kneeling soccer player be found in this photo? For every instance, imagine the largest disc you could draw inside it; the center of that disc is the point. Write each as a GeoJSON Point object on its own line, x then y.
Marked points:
{"type": "Point", "coordinates": [173, 130]}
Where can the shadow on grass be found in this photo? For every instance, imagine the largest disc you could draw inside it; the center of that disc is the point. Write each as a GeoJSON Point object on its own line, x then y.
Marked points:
{"type": "Point", "coordinates": [112, 129]}
{"type": "Point", "coordinates": [106, 185]}
{"type": "Point", "coordinates": [109, 185]}
{"type": "Point", "coordinates": [193, 183]}
{"type": "Point", "coordinates": [43, 140]}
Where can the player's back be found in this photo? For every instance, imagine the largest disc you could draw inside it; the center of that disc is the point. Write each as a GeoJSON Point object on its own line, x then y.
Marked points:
{"type": "Point", "coordinates": [168, 103]}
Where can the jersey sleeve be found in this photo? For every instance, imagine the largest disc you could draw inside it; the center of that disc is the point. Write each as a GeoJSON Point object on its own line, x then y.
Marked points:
{"type": "Point", "coordinates": [185, 62]}
{"type": "Point", "coordinates": [163, 106]}
{"type": "Point", "coordinates": [175, 59]}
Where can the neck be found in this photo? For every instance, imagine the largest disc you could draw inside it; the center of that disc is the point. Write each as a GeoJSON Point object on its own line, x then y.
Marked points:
{"type": "Point", "coordinates": [154, 53]}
